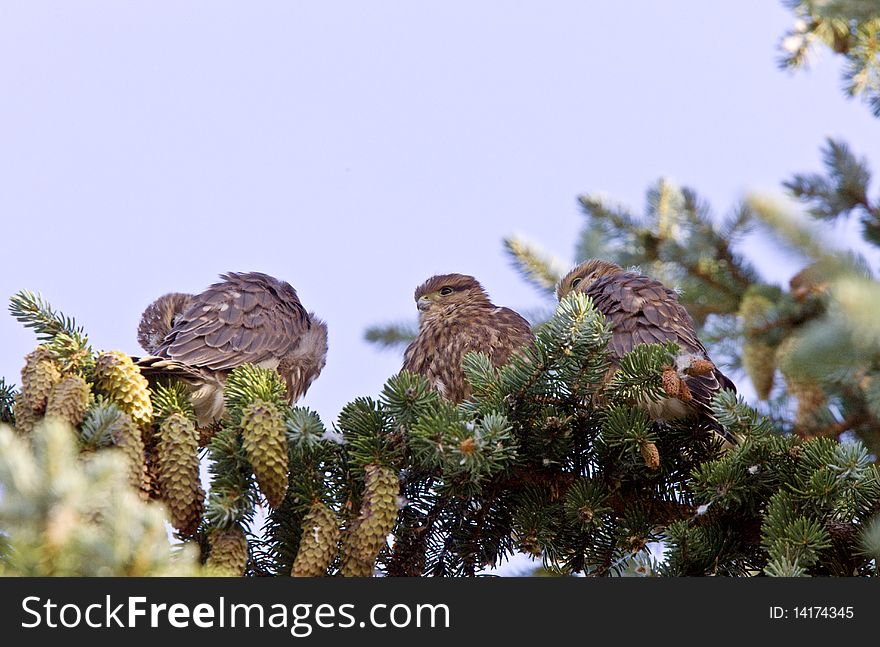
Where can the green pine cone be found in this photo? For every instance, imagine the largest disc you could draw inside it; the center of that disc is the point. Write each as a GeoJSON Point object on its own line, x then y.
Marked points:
{"type": "Point", "coordinates": [758, 357]}
{"type": "Point", "coordinates": [353, 565]}
{"type": "Point", "coordinates": [229, 552]}
{"type": "Point", "coordinates": [264, 439]}
{"type": "Point", "coordinates": [178, 468]}
{"type": "Point", "coordinates": [810, 395]}
{"type": "Point", "coordinates": [759, 362]}
{"type": "Point", "coordinates": [25, 418]}
{"type": "Point", "coordinates": [150, 485]}
{"type": "Point", "coordinates": [317, 547]}
{"type": "Point", "coordinates": [127, 437]}
{"type": "Point", "coordinates": [368, 533]}
{"type": "Point", "coordinates": [39, 375]}
{"type": "Point", "coordinates": [120, 380]}
{"type": "Point", "coordinates": [69, 400]}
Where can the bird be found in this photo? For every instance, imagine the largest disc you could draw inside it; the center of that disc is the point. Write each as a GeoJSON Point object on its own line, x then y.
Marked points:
{"type": "Point", "coordinates": [457, 317]}
{"type": "Point", "coordinates": [641, 310]}
{"type": "Point", "coordinates": [246, 317]}
{"type": "Point", "coordinates": [159, 318]}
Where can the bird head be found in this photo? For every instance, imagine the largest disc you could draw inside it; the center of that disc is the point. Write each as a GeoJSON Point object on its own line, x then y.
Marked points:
{"type": "Point", "coordinates": [446, 291]}
{"type": "Point", "coordinates": [582, 276]}
{"type": "Point", "coordinates": [309, 358]}
{"type": "Point", "coordinates": [159, 318]}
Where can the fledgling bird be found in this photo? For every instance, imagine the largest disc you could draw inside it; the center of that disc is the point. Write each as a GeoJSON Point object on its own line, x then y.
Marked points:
{"type": "Point", "coordinates": [457, 317]}
{"type": "Point", "coordinates": [642, 310]}
{"type": "Point", "coordinates": [246, 317]}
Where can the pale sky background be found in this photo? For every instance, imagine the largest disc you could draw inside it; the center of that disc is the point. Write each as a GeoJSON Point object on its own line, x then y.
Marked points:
{"type": "Point", "coordinates": [356, 148]}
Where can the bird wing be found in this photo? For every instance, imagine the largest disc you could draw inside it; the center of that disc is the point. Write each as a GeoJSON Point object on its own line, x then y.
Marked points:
{"type": "Point", "coordinates": [642, 311]}
{"type": "Point", "coordinates": [245, 318]}
{"type": "Point", "coordinates": [513, 332]}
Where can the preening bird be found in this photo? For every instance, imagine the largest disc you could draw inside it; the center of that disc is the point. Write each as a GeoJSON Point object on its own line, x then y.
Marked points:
{"type": "Point", "coordinates": [244, 318]}
{"type": "Point", "coordinates": [457, 317]}
{"type": "Point", "coordinates": [641, 310]}
{"type": "Point", "coordinates": [159, 318]}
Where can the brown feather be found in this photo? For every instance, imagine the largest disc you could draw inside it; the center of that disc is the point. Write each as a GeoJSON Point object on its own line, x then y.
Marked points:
{"type": "Point", "coordinates": [641, 310]}
{"type": "Point", "coordinates": [244, 318]}
{"type": "Point", "coordinates": [462, 321]}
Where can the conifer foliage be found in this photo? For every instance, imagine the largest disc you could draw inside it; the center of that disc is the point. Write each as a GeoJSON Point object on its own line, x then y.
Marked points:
{"type": "Point", "coordinates": [550, 456]}
{"type": "Point", "coordinates": [849, 28]}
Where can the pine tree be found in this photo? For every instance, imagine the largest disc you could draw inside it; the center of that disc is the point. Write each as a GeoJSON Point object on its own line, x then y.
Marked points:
{"type": "Point", "coordinates": [62, 515]}
{"type": "Point", "coordinates": [547, 457]}
{"type": "Point", "coordinates": [850, 28]}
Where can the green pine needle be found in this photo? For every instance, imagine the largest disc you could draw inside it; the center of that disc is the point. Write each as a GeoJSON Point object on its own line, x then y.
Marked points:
{"type": "Point", "coordinates": [391, 336]}
{"type": "Point", "coordinates": [537, 268]}
{"type": "Point", "coordinates": [304, 428]}
{"type": "Point", "coordinates": [248, 383]}
{"type": "Point", "coordinates": [170, 398]}
{"type": "Point", "coordinates": [99, 425]}
{"type": "Point", "coordinates": [7, 401]}
{"type": "Point", "coordinates": [32, 310]}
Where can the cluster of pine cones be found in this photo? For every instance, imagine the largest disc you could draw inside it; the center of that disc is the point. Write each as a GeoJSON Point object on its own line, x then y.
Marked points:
{"type": "Point", "coordinates": [162, 463]}
{"type": "Point", "coordinates": [51, 390]}
{"type": "Point", "coordinates": [161, 447]}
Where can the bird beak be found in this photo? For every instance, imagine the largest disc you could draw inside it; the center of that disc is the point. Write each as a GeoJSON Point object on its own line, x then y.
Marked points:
{"type": "Point", "coordinates": [423, 304]}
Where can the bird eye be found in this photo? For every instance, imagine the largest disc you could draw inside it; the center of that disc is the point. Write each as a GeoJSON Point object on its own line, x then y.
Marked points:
{"type": "Point", "coordinates": [446, 291]}
{"type": "Point", "coordinates": [574, 283]}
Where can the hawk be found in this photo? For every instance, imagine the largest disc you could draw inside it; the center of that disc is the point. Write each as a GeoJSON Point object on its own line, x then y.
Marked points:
{"type": "Point", "coordinates": [457, 317]}
{"type": "Point", "coordinates": [159, 318]}
{"type": "Point", "coordinates": [244, 318]}
{"type": "Point", "coordinates": [641, 310]}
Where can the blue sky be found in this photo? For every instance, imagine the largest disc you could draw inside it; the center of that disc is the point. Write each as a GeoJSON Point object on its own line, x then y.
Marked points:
{"type": "Point", "coordinates": [354, 149]}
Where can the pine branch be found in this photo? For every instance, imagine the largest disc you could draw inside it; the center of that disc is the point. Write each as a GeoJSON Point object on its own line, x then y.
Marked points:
{"type": "Point", "coordinates": [60, 334]}
{"type": "Point", "coordinates": [7, 400]}
{"type": "Point", "coordinates": [35, 312]}
{"type": "Point", "coordinates": [391, 336]}
{"type": "Point", "coordinates": [850, 28]}
{"type": "Point", "coordinates": [538, 269]}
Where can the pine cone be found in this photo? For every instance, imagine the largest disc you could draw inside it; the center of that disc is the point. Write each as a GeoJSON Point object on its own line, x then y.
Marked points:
{"type": "Point", "coordinates": [368, 533]}
{"type": "Point", "coordinates": [25, 418]}
{"type": "Point", "coordinates": [684, 392]}
{"type": "Point", "coordinates": [811, 396]}
{"type": "Point", "coordinates": [69, 400]}
{"type": "Point", "coordinates": [206, 433]}
{"type": "Point", "coordinates": [700, 366]}
{"type": "Point", "coordinates": [39, 375]}
{"type": "Point", "coordinates": [178, 449]}
{"type": "Point", "coordinates": [317, 547]}
{"type": "Point", "coordinates": [758, 361]}
{"type": "Point", "coordinates": [127, 437]}
{"type": "Point", "coordinates": [118, 378]}
{"type": "Point", "coordinates": [150, 488]}
{"type": "Point", "coordinates": [651, 455]}
{"type": "Point", "coordinates": [758, 357]}
{"type": "Point", "coordinates": [265, 442]}
{"type": "Point", "coordinates": [671, 382]}
{"type": "Point", "coordinates": [229, 553]}
{"type": "Point", "coordinates": [811, 400]}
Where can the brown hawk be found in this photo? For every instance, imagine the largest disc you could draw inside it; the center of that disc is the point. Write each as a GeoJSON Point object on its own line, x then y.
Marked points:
{"type": "Point", "coordinates": [641, 310]}
{"type": "Point", "coordinates": [244, 318]}
{"type": "Point", "coordinates": [456, 317]}
{"type": "Point", "coordinates": [159, 318]}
